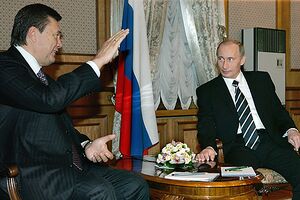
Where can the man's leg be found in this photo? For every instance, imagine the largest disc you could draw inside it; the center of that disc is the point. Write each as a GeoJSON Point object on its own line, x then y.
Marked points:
{"type": "Point", "coordinates": [287, 163]}
{"type": "Point", "coordinates": [92, 186]}
{"type": "Point", "coordinates": [283, 160]}
{"type": "Point", "coordinates": [101, 182]}
{"type": "Point", "coordinates": [128, 185]}
{"type": "Point", "coordinates": [241, 155]}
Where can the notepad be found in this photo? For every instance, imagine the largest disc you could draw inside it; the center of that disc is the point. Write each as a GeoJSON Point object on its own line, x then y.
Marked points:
{"type": "Point", "coordinates": [192, 176]}
{"type": "Point", "coordinates": [237, 171]}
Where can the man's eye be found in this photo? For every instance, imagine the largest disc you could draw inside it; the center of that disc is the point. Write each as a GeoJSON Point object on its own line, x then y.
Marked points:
{"type": "Point", "coordinates": [58, 36]}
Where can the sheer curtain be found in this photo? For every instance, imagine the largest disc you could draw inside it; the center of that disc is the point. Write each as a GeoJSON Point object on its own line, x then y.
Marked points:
{"type": "Point", "coordinates": [183, 36]}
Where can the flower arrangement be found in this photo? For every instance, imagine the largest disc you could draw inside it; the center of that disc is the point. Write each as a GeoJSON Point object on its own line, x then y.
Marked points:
{"type": "Point", "coordinates": [175, 153]}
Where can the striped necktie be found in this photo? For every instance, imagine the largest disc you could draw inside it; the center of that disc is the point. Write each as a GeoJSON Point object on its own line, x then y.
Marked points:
{"type": "Point", "coordinates": [76, 158]}
{"type": "Point", "coordinates": [42, 77]}
{"type": "Point", "coordinates": [250, 135]}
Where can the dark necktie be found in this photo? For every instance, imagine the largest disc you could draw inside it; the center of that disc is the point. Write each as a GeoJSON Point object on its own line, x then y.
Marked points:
{"type": "Point", "coordinates": [42, 77]}
{"type": "Point", "coordinates": [250, 135]}
{"type": "Point", "coordinates": [76, 158]}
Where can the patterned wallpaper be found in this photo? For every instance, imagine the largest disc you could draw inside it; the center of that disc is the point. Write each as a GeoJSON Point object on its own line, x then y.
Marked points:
{"type": "Point", "coordinates": [248, 14]}
{"type": "Point", "coordinates": [295, 29]}
{"type": "Point", "coordinates": [78, 23]}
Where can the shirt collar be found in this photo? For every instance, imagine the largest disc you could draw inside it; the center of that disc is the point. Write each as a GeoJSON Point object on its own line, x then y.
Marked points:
{"type": "Point", "coordinates": [240, 78]}
{"type": "Point", "coordinates": [34, 65]}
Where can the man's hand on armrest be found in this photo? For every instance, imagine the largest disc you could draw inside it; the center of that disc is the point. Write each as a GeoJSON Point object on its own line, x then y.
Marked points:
{"type": "Point", "coordinates": [294, 138]}
{"type": "Point", "coordinates": [207, 154]}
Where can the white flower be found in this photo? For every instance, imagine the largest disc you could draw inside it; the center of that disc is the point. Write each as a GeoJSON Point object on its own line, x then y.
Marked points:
{"type": "Point", "coordinates": [176, 153]}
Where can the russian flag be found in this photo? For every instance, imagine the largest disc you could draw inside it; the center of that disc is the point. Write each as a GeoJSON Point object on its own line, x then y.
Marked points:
{"type": "Point", "coordinates": [134, 95]}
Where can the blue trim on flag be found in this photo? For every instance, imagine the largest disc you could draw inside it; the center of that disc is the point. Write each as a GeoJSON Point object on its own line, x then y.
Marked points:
{"type": "Point", "coordinates": [140, 139]}
{"type": "Point", "coordinates": [127, 44]}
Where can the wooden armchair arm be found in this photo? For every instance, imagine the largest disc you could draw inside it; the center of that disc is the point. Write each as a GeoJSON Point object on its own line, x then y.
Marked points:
{"type": "Point", "coordinates": [220, 151]}
{"type": "Point", "coordinates": [11, 172]}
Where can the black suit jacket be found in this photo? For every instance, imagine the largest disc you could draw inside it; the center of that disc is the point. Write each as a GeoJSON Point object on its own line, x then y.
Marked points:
{"type": "Point", "coordinates": [42, 133]}
{"type": "Point", "coordinates": [217, 116]}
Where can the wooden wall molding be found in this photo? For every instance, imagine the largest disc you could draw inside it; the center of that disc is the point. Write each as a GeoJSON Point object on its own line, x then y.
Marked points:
{"type": "Point", "coordinates": [72, 58]}
{"type": "Point", "coordinates": [180, 127]}
{"type": "Point", "coordinates": [283, 21]}
{"type": "Point", "coordinates": [293, 104]}
{"type": "Point", "coordinates": [103, 21]}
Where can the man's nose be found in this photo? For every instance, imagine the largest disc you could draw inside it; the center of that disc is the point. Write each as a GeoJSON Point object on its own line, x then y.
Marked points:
{"type": "Point", "coordinates": [225, 64]}
{"type": "Point", "coordinates": [59, 43]}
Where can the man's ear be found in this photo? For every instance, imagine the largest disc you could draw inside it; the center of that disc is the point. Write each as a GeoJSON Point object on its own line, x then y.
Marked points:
{"type": "Point", "coordinates": [31, 34]}
{"type": "Point", "coordinates": [243, 60]}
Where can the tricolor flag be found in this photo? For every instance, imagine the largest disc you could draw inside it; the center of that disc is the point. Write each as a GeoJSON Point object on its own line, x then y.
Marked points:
{"type": "Point", "coordinates": [134, 95]}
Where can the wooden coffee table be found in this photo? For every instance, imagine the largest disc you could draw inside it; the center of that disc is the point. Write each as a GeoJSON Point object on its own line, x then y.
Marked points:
{"type": "Point", "coordinates": [161, 188]}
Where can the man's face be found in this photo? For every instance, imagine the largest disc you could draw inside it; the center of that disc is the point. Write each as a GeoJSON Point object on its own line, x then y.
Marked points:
{"type": "Point", "coordinates": [48, 43]}
{"type": "Point", "coordinates": [230, 60]}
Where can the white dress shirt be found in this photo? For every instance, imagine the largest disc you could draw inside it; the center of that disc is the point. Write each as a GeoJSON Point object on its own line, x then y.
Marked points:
{"type": "Point", "coordinates": [36, 67]}
{"type": "Point", "coordinates": [246, 91]}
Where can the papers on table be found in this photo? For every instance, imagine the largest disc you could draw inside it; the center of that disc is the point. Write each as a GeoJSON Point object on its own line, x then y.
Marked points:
{"type": "Point", "coordinates": [239, 171]}
{"type": "Point", "coordinates": [192, 176]}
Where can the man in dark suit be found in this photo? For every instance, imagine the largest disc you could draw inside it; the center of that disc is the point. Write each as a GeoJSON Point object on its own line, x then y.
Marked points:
{"type": "Point", "coordinates": [243, 110]}
{"type": "Point", "coordinates": [54, 159]}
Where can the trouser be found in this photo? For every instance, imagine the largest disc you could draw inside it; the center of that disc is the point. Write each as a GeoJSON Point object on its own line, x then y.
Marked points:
{"type": "Point", "coordinates": [283, 160]}
{"type": "Point", "coordinates": [107, 183]}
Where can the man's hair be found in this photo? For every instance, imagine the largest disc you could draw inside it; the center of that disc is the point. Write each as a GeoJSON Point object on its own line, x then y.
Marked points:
{"type": "Point", "coordinates": [31, 15]}
{"type": "Point", "coordinates": [230, 41]}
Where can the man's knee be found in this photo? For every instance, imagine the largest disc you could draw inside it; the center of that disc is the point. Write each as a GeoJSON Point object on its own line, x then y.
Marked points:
{"type": "Point", "coordinates": [137, 188]}
{"type": "Point", "coordinates": [97, 191]}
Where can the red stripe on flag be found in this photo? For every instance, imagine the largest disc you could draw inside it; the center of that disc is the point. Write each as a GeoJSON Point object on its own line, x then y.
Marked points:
{"type": "Point", "coordinates": [123, 106]}
{"type": "Point", "coordinates": [125, 138]}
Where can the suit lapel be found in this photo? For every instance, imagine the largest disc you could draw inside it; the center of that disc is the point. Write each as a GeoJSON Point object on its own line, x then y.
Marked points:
{"type": "Point", "coordinates": [257, 93]}
{"type": "Point", "coordinates": [12, 51]}
{"type": "Point", "coordinates": [226, 106]}
{"type": "Point", "coordinates": [222, 91]}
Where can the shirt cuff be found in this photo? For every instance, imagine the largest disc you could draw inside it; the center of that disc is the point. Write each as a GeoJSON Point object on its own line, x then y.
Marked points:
{"type": "Point", "coordinates": [94, 67]}
{"type": "Point", "coordinates": [287, 132]}
{"type": "Point", "coordinates": [84, 143]}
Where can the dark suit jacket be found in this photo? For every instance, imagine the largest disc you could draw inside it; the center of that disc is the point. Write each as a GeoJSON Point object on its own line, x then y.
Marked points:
{"type": "Point", "coordinates": [217, 116]}
{"type": "Point", "coordinates": [42, 132]}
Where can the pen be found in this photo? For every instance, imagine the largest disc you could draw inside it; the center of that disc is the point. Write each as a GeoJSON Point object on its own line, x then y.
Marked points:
{"type": "Point", "coordinates": [235, 168]}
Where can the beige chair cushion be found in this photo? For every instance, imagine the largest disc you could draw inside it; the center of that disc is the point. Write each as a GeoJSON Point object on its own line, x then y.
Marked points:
{"type": "Point", "coordinates": [271, 176]}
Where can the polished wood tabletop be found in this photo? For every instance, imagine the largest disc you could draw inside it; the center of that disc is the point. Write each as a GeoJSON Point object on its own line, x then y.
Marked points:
{"type": "Point", "coordinates": [161, 188]}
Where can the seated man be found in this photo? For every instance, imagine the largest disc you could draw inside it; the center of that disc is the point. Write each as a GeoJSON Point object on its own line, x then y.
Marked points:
{"type": "Point", "coordinates": [55, 161]}
{"type": "Point", "coordinates": [243, 110]}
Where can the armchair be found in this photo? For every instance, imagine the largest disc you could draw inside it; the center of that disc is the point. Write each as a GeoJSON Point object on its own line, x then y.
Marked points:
{"type": "Point", "coordinates": [10, 173]}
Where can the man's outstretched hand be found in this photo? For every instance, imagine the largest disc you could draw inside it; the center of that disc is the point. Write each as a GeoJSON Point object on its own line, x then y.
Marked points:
{"type": "Point", "coordinates": [97, 151]}
{"type": "Point", "coordinates": [109, 48]}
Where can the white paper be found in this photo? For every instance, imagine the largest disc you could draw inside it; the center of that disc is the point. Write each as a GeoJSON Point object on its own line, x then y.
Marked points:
{"type": "Point", "coordinates": [238, 171]}
{"type": "Point", "coordinates": [192, 176]}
